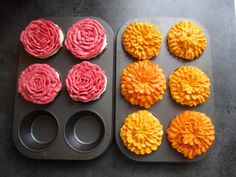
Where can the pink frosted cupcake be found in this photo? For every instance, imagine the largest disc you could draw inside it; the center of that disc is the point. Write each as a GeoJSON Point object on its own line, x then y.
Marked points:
{"type": "Point", "coordinates": [86, 39]}
{"type": "Point", "coordinates": [86, 82]}
{"type": "Point", "coordinates": [39, 84]}
{"type": "Point", "coordinates": [42, 38]}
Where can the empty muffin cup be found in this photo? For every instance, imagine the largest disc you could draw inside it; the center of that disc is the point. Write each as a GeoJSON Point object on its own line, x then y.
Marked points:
{"type": "Point", "coordinates": [38, 130]}
{"type": "Point", "coordinates": [84, 131]}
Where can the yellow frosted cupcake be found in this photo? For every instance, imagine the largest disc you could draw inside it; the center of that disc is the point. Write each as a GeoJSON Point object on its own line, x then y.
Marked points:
{"type": "Point", "coordinates": [189, 85]}
{"type": "Point", "coordinates": [142, 40]}
{"type": "Point", "coordinates": [186, 40]}
{"type": "Point", "coordinates": [143, 83]}
{"type": "Point", "coordinates": [141, 132]}
{"type": "Point", "coordinates": [191, 133]}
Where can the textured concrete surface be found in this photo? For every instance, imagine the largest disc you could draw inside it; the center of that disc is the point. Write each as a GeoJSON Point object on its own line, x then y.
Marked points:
{"type": "Point", "coordinates": [217, 16]}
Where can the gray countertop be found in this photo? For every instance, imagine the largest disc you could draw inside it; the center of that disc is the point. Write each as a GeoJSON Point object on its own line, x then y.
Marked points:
{"type": "Point", "coordinates": [216, 16]}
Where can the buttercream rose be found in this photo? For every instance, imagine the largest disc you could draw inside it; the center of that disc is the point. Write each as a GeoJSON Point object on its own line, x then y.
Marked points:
{"type": "Point", "coordinates": [39, 84]}
{"type": "Point", "coordinates": [86, 38]}
{"type": "Point", "coordinates": [42, 38]}
{"type": "Point", "coordinates": [86, 82]}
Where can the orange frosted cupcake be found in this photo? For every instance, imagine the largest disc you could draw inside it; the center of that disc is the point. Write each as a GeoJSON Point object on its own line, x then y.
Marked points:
{"type": "Point", "coordinates": [191, 133]}
{"type": "Point", "coordinates": [142, 40]}
{"type": "Point", "coordinates": [141, 132]}
{"type": "Point", "coordinates": [143, 83]}
{"type": "Point", "coordinates": [189, 85]}
{"type": "Point", "coordinates": [186, 40]}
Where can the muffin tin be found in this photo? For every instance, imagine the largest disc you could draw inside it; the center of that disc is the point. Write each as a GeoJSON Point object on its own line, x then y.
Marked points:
{"type": "Point", "coordinates": [65, 129]}
{"type": "Point", "coordinates": [167, 108]}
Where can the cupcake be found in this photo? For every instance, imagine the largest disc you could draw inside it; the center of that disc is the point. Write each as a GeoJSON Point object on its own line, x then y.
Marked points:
{"type": "Point", "coordinates": [189, 85]}
{"type": "Point", "coordinates": [142, 40]}
{"type": "Point", "coordinates": [39, 84]}
{"type": "Point", "coordinates": [143, 83]}
{"type": "Point", "coordinates": [191, 133]}
{"type": "Point", "coordinates": [42, 38]}
{"type": "Point", "coordinates": [141, 132]}
{"type": "Point", "coordinates": [186, 40]}
{"type": "Point", "coordinates": [86, 82]}
{"type": "Point", "coordinates": [86, 39]}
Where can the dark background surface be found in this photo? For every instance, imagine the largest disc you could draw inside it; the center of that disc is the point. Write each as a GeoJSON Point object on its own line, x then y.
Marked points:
{"type": "Point", "coordinates": [216, 16]}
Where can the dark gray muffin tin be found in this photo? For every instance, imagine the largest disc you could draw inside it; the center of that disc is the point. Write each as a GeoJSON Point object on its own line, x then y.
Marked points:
{"type": "Point", "coordinates": [167, 108]}
{"type": "Point", "coordinates": [65, 129]}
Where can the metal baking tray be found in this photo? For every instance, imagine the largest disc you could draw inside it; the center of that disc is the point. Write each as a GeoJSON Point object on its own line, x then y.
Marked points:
{"type": "Point", "coordinates": [65, 129]}
{"type": "Point", "coordinates": [167, 108]}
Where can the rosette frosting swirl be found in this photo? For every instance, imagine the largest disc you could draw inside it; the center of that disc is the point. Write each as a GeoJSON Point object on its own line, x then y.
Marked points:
{"type": "Point", "coordinates": [86, 82]}
{"type": "Point", "coordinates": [39, 84]}
{"type": "Point", "coordinates": [86, 38]}
{"type": "Point", "coordinates": [42, 38]}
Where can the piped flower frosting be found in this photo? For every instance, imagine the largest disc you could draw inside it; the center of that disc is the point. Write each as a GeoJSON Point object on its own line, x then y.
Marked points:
{"type": "Point", "coordinates": [189, 85]}
{"type": "Point", "coordinates": [186, 40]}
{"type": "Point", "coordinates": [143, 83]}
{"type": "Point", "coordinates": [42, 38]}
{"type": "Point", "coordinates": [142, 40]}
{"type": "Point", "coordinates": [39, 83]}
{"type": "Point", "coordinates": [86, 82]}
{"type": "Point", "coordinates": [141, 132]}
{"type": "Point", "coordinates": [86, 38]}
{"type": "Point", "coordinates": [191, 133]}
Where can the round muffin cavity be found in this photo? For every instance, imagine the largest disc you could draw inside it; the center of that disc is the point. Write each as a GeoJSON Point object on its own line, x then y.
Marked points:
{"type": "Point", "coordinates": [86, 82]}
{"type": "Point", "coordinates": [186, 40]}
{"type": "Point", "coordinates": [141, 132]}
{"type": "Point", "coordinates": [86, 39]}
{"type": "Point", "coordinates": [191, 133]}
{"type": "Point", "coordinates": [39, 84]}
{"type": "Point", "coordinates": [142, 40]}
{"type": "Point", "coordinates": [42, 38]}
{"type": "Point", "coordinates": [189, 85]}
{"type": "Point", "coordinates": [143, 83]}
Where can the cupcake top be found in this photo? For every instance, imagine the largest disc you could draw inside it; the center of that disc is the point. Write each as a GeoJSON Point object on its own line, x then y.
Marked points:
{"type": "Point", "coordinates": [86, 82]}
{"type": "Point", "coordinates": [141, 132]}
{"type": "Point", "coordinates": [143, 83]}
{"type": "Point", "coordinates": [42, 38]}
{"type": "Point", "coordinates": [142, 40]}
{"type": "Point", "coordinates": [86, 38]}
{"type": "Point", "coordinates": [186, 40]}
{"type": "Point", "coordinates": [39, 84]}
{"type": "Point", "coordinates": [189, 85]}
{"type": "Point", "coordinates": [191, 133]}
